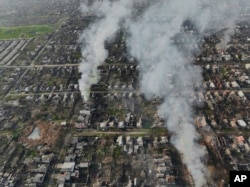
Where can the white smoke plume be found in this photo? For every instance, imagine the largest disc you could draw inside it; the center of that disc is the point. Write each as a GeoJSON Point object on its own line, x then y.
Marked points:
{"type": "Point", "coordinates": [110, 15]}
{"type": "Point", "coordinates": [166, 71]}
{"type": "Point", "coordinates": [165, 68]}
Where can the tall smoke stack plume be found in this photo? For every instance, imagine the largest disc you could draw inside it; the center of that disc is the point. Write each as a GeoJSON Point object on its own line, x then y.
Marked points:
{"type": "Point", "coordinates": [165, 69]}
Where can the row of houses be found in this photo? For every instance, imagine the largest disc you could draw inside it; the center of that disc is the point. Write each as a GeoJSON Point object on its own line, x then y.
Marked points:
{"type": "Point", "coordinates": [37, 169]}
{"type": "Point", "coordinates": [74, 163]}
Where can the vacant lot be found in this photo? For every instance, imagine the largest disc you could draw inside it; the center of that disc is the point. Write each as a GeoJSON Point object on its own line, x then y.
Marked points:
{"type": "Point", "coordinates": [24, 31]}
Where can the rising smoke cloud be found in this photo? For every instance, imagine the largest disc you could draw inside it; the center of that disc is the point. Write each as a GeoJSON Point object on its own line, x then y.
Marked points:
{"type": "Point", "coordinates": [165, 70]}
{"type": "Point", "coordinates": [93, 39]}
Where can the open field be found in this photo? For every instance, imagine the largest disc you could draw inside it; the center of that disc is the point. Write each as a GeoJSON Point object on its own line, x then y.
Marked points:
{"type": "Point", "coordinates": [24, 31]}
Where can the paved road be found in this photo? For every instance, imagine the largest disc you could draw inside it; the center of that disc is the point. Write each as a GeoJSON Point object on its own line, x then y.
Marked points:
{"type": "Point", "coordinates": [62, 65]}
{"type": "Point", "coordinates": [233, 132]}
{"type": "Point", "coordinates": [74, 92]}
{"type": "Point", "coordinates": [133, 132]}
{"type": "Point", "coordinates": [246, 90]}
{"type": "Point", "coordinates": [39, 66]}
{"type": "Point", "coordinates": [230, 63]}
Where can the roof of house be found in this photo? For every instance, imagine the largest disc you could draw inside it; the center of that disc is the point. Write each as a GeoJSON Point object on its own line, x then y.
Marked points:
{"type": "Point", "coordinates": [68, 166]}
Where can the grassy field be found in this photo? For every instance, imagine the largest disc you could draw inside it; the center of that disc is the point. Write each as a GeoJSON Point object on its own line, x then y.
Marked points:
{"type": "Point", "coordinates": [24, 31]}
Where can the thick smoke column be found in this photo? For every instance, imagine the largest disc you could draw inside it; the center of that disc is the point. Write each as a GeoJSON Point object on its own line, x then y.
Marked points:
{"type": "Point", "coordinates": [165, 69]}
{"type": "Point", "coordinates": [165, 72]}
{"type": "Point", "coordinates": [110, 15]}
